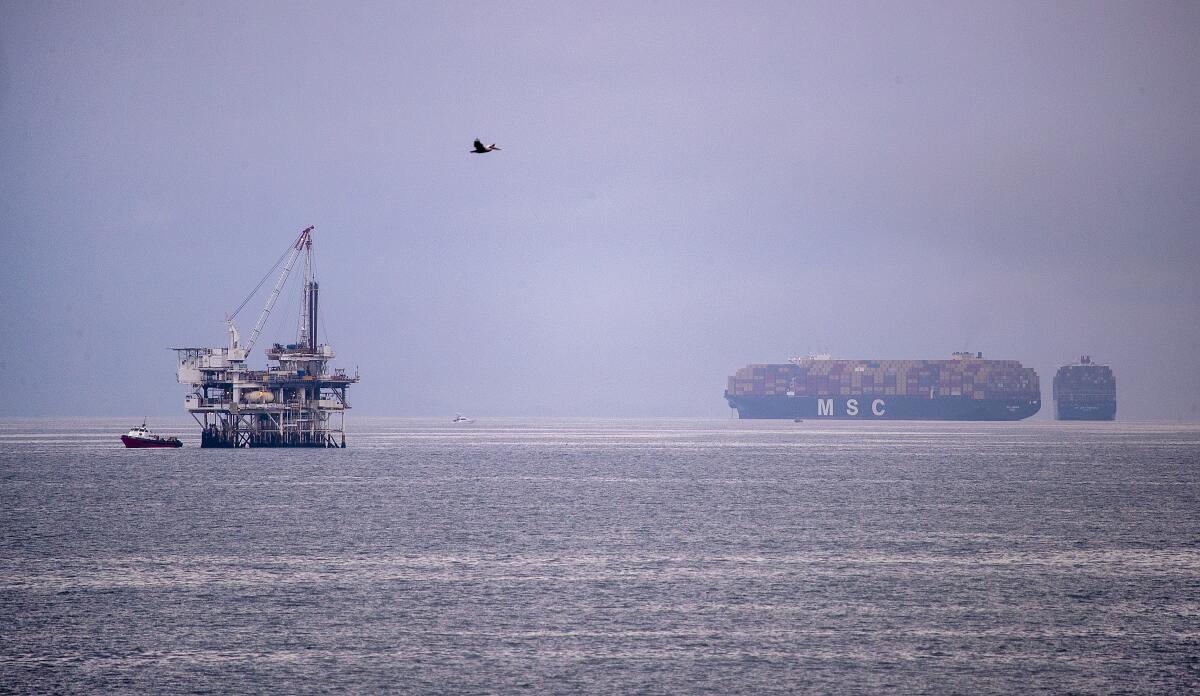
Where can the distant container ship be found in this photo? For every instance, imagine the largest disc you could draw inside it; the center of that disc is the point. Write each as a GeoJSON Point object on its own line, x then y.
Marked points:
{"type": "Point", "coordinates": [1085, 391]}
{"type": "Point", "coordinates": [966, 387]}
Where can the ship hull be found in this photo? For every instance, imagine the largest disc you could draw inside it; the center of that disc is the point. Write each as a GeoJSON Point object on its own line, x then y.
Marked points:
{"type": "Point", "coordinates": [882, 408]}
{"type": "Point", "coordinates": [1093, 411]}
{"type": "Point", "coordinates": [141, 443]}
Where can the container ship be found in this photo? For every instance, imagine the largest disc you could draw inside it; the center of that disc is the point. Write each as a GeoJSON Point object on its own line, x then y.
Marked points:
{"type": "Point", "coordinates": [1085, 391]}
{"type": "Point", "coordinates": [966, 387]}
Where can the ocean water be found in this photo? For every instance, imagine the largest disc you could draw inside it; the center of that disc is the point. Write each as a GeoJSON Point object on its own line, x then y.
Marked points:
{"type": "Point", "coordinates": [604, 556]}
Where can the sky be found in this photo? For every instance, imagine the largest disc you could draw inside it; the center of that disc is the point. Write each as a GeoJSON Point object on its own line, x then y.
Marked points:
{"type": "Point", "coordinates": [683, 189]}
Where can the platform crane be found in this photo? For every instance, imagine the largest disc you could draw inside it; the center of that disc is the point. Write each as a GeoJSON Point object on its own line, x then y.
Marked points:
{"type": "Point", "coordinates": [303, 243]}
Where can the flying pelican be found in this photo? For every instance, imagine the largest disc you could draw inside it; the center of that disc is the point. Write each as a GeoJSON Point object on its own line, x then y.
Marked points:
{"type": "Point", "coordinates": [480, 149]}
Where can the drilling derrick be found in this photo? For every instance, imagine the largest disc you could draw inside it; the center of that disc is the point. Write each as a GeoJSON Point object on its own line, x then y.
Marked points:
{"type": "Point", "coordinates": [296, 402]}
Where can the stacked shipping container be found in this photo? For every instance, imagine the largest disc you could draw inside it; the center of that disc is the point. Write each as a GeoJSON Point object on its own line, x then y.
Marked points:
{"type": "Point", "coordinates": [965, 375]}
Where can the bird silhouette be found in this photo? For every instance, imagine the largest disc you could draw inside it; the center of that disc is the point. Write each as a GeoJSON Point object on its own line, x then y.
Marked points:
{"type": "Point", "coordinates": [480, 149]}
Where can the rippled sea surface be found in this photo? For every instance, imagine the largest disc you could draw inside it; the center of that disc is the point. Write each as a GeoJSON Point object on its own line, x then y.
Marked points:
{"type": "Point", "coordinates": [604, 556]}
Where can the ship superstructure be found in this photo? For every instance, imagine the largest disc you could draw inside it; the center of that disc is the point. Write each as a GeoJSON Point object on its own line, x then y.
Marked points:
{"type": "Point", "coordinates": [298, 401]}
{"type": "Point", "coordinates": [966, 387]}
{"type": "Point", "coordinates": [1085, 391]}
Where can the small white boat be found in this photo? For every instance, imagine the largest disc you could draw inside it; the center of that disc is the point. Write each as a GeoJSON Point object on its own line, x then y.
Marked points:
{"type": "Point", "coordinates": [460, 418]}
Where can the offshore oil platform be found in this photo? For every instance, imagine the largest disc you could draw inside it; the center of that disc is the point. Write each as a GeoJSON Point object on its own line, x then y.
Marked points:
{"type": "Point", "coordinates": [296, 402]}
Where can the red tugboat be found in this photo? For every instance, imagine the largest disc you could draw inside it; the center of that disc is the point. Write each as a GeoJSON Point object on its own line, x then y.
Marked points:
{"type": "Point", "coordinates": [139, 436]}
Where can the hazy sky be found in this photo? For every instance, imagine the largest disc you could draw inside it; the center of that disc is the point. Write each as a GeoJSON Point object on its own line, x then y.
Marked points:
{"type": "Point", "coordinates": [684, 188]}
